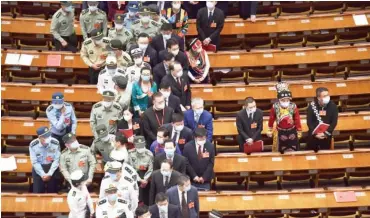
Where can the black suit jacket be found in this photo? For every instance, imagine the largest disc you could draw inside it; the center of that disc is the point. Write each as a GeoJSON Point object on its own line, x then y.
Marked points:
{"type": "Point", "coordinates": [180, 57]}
{"type": "Point", "coordinates": [186, 135]}
{"type": "Point", "coordinates": [179, 162]}
{"type": "Point", "coordinates": [156, 184]}
{"type": "Point", "coordinates": [152, 54]}
{"type": "Point", "coordinates": [244, 124]}
{"type": "Point", "coordinates": [183, 91]}
{"type": "Point", "coordinates": [159, 71]}
{"type": "Point", "coordinates": [204, 25]}
{"type": "Point", "coordinates": [150, 123]}
{"type": "Point", "coordinates": [158, 44]}
{"type": "Point", "coordinates": [136, 125]}
{"type": "Point", "coordinates": [203, 167]}
{"type": "Point", "coordinates": [173, 211]}
{"type": "Point", "coordinates": [173, 102]}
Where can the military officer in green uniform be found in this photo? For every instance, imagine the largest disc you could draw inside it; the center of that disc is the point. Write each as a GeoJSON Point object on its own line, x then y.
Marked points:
{"type": "Point", "coordinates": [93, 18]}
{"type": "Point", "coordinates": [62, 28]}
{"type": "Point", "coordinates": [104, 144]}
{"type": "Point", "coordinates": [106, 112]}
{"type": "Point", "coordinates": [120, 32]}
{"type": "Point", "coordinates": [115, 47]}
{"type": "Point", "coordinates": [145, 24]}
{"type": "Point", "coordinates": [142, 161]}
{"type": "Point", "coordinates": [156, 14]}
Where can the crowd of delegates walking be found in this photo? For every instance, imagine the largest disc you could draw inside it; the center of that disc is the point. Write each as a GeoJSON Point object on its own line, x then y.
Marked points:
{"type": "Point", "coordinates": [154, 139]}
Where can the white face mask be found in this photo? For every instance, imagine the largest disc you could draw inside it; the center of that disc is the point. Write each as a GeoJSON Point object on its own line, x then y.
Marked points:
{"type": "Point", "coordinates": [165, 173]}
{"type": "Point", "coordinates": [143, 47]}
{"type": "Point", "coordinates": [105, 139]}
{"type": "Point", "coordinates": [210, 5]}
{"type": "Point", "coordinates": [111, 71]}
{"type": "Point", "coordinates": [68, 9]}
{"type": "Point", "coordinates": [160, 140]}
{"type": "Point", "coordinates": [48, 140]}
{"type": "Point", "coordinates": [179, 74]}
{"type": "Point", "coordinates": [199, 111]}
{"type": "Point", "coordinates": [138, 61]}
{"type": "Point", "coordinates": [74, 145]}
{"type": "Point", "coordinates": [284, 104]}
{"type": "Point", "coordinates": [251, 110]}
{"type": "Point", "coordinates": [179, 128]}
{"type": "Point", "coordinates": [160, 106]}
{"type": "Point", "coordinates": [326, 100]}
{"type": "Point", "coordinates": [131, 13]}
{"type": "Point", "coordinates": [163, 209]}
{"type": "Point", "coordinates": [127, 117]}
{"type": "Point", "coordinates": [107, 104]}
{"type": "Point", "coordinates": [112, 197]}
{"type": "Point", "coordinates": [93, 8]}
{"type": "Point", "coordinates": [201, 142]}
{"type": "Point", "coordinates": [176, 5]}
{"type": "Point", "coordinates": [166, 37]}
{"type": "Point", "coordinates": [165, 94]}
{"type": "Point", "coordinates": [140, 150]}
{"type": "Point", "coordinates": [187, 188]}
{"type": "Point", "coordinates": [118, 26]}
{"type": "Point", "coordinates": [145, 19]}
{"type": "Point", "coordinates": [58, 106]}
{"type": "Point", "coordinates": [175, 52]}
{"type": "Point", "coordinates": [98, 42]}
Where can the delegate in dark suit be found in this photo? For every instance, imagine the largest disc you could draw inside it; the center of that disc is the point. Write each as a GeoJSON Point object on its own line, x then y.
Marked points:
{"type": "Point", "coordinates": [186, 135]}
{"type": "Point", "coordinates": [205, 120]}
{"type": "Point", "coordinates": [178, 162]}
{"type": "Point", "coordinates": [182, 91]}
{"type": "Point", "coordinates": [210, 27]}
{"type": "Point", "coordinates": [173, 211]}
{"type": "Point", "coordinates": [180, 57]}
{"type": "Point", "coordinates": [158, 42]}
{"type": "Point", "coordinates": [192, 200]}
{"type": "Point", "coordinates": [157, 184]}
{"type": "Point", "coordinates": [159, 71]}
{"type": "Point", "coordinates": [151, 124]}
{"type": "Point", "coordinates": [136, 125]}
{"type": "Point", "coordinates": [200, 167]}
{"type": "Point", "coordinates": [249, 127]}
{"type": "Point", "coordinates": [173, 102]}
{"type": "Point", "coordinates": [151, 56]}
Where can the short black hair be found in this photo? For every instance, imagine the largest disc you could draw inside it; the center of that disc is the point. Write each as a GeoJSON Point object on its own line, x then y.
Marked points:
{"type": "Point", "coordinates": [166, 27]}
{"type": "Point", "coordinates": [200, 132]}
{"type": "Point", "coordinates": [249, 100]}
{"type": "Point", "coordinates": [167, 161]}
{"type": "Point", "coordinates": [141, 210]}
{"type": "Point", "coordinates": [167, 56]}
{"type": "Point", "coordinates": [121, 138]}
{"type": "Point", "coordinates": [165, 131]}
{"type": "Point", "coordinates": [320, 90]}
{"type": "Point", "coordinates": [164, 85]}
{"type": "Point", "coordinates": [169, 141]}
{"type": "Point", "coordinates": [156, 95]}
{"type": "Point", "coordinates": [177, 118]}
{"type": "Point", "coordinates": [172, 66]}
{"type": "Point", "coordinates": [145, 68]}
{"type": "Point", "coordinates": [160, 197]}
{"type": "Point", "coordinates": [182, 179]}
{"type": "Point", "coordinates": [143, 35]}
{"type": "Point", "coordinates": [171, 42]}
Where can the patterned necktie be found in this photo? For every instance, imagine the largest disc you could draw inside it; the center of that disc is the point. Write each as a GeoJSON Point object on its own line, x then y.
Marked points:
{"type": "Point", "coordinates": [200, 152]}
{"type": "Point", "coordinates": [184, 206]}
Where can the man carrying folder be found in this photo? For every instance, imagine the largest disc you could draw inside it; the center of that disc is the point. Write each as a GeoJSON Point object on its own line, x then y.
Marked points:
{"type": "Point", "coordinates": [249, 122]}
{"type": "Point", "coordinates": [322, 118]}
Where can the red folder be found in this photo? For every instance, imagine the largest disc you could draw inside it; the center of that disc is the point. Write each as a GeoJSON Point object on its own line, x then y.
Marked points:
{"type": "Point", "coordinates": [127, 132]}
{"type": "Point", "coordinates": [209, 47]}
{"type": "Point", "coordinates": [256, 146]}
{"type": "Point", "coordinates": [53, 60]}
{"type": "Point", "coordinates": [348, 196]}
{"type": "Point", "coordinates": [321, 128]}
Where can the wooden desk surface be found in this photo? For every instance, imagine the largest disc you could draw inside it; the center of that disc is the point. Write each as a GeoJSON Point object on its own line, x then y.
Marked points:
{"type": "Point", "coordinates": [221, 92]}
{"type": "Point", "coordinates": [235, 58]}
{"type": "Point", "coordinates": [224, 201]}
{"type": "Point", "coordinates": [222, 127]}
{"type": "Point", "coordinates": [232, 26]}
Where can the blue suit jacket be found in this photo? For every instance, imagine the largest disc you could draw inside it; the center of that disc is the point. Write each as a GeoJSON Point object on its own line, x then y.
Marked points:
{"type": "Point", "coordinates": [205, 120]}
{"type": "Point", "coordinates": [192, 197]}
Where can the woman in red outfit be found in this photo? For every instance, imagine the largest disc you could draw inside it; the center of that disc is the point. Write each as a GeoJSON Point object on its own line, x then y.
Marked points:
{"type": "Point", "coordinates": [288, 122]}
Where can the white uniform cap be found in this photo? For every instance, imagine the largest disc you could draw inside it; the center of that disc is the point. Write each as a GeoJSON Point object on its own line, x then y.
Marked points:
{"type": "Point", "coordinates": [77, 175]}
{"type": "Point", "coordinates": [117, 155]}
{"type": "Point", "coordinates": [113, 166]}
{"type": "Point", "coordinates": [111, 60]}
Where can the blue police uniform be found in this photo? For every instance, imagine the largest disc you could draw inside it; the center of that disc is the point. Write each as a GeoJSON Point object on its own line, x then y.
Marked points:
{"type": "Point", "coordinates": [45, 161]}
{"type": "Point", "coordinates": [61, 123]}
{"type": "Point", "coordinates": [132, 6]}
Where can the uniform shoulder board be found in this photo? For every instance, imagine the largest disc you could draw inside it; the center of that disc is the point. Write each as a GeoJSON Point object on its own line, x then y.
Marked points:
{"type": "Point", "coordinates": [102, 202]}
{"type": "Point", "coordinates": [128, 179]}
{"type": "Point", "coordinates": [56, 142]}
{"type": "Point", "coordinates": [84, 11]}
{"type": "Point", "coordinates": [97, 105]}
{"type": "Point", "coordinates": [64, 150]}
{"type": "Point", "coordinates": [128, 33]}
{"type": "Point", "coordinates": [87, 42]}
{"type": "Point", "coordinates": [130, 65]}
{"type": "Point", "coordinates": [120, 200]}
{"type": "Point", "coordinates": [74, 193]}
{"type": "Point", "coordinates": [136, 22]}
{"type": "Point", "coordinates": [149, 153]}
{"type": "Point", "coordinates": [121, 71]}
{"type": "Point", "coordinates": [58, 14]}
{"type": "Point", "coordinates": [67, 104]}
{"type": "Point", "coordinates": [126, 58]}
{"type": "Point", "coordinates": [155, 23]}
{"type": "Point", "coordinates": [128, 170]}
{"type": "Point", "coordinates": [49, 108]}
{"type": "Point", "coordinates": [106, 177]}
{"type": "Point", "coordinates": [106, 40]}
{"type": "Point", "coordinates": [34, 142]}
{"type": "Point", "coordinates": [102, 72]}
{"type": "Point", "coordinates": [117, 106]}
{"type": "Point", "coordinates": [84, 147]}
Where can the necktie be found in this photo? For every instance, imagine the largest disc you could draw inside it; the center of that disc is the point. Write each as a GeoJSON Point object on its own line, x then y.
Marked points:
{"type": "Point", "coordinates": [174, 139]}
{"type": "Point", "coordinates": [196, 118]}
{"type": "Point", "coordinates": [166, 181]}
{"type": "Point", "coordinates": [179, 81]}
{"type": "Point", "coordinates": [199, 152]}
{"type": "Point", "coordinates": [184, 206]}
{"type": "Point", "coordinates": [210, 17]}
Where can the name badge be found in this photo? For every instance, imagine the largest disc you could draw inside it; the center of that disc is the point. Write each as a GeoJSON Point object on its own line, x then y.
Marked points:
{"type": "Point", "coordinates": [322, 113]}
{"type": "Point", "coordinates": [205, 155]}
{"type": "Point", "coordinates": [147, 59]}
{"type": "Point", "coordinates": [191, 205]}
{"type": "Point", "coordinates": [181, 141]}
{"type": "Point", "coordinates": [213, 25]}
{"type": "Point", "coordinates": [253, 125]}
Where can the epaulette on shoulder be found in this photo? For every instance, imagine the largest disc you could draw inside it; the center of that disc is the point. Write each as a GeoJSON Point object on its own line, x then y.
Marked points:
{"type": "Point", "coordinates": [149, 153]}
{"type": "Point", "coordinates": [136, 22]}
{"type": "Point", "coordinates": [106, 177]}
{"type": "Point", "coordinates": [126, 58]}
{"type": "Point", "coordinates": [117, 106]}
{"type": "Point", "coordinates": [58, 14]}
{"type": "Point", "coordinates": [130, 64]}
{"type": "Point", "coordinates": [106, 40]}
{"type": "Point", "coordinates": [67, 104]}
{"type": "Point", "coordinates": [84, 147]}
{"type": "Point", "coordinates": [128, 170]}
{"type": "Point", "coordinates": [128, 179]}
{"type": "Point", "coordinates": [121, 71]}
{"type": "Point", "coordinates": [74, 193]}
{"type": "Point", "coordinates": [34, 142]}
{"type": "Point", "coordinates": [120, 200]}
{"type": "Point", "coordinates": [84, 11]}
{"type": "Point", "coordinates": [87, 42]}
{"type": "Point", "coordinates": [103, 71]}
{"type": "Point", "coordinates": [155, 23]}
{"type": "Point", "coordinates": [54, 141]}
{"type": "Point", "coordinates": [50, 107]}
{"type": "Point", "coordinates": [97, 105]}
{"type": "Point", "coordinates": [102, 202]}
{"type": "Point", "coordinates": [128, 33]}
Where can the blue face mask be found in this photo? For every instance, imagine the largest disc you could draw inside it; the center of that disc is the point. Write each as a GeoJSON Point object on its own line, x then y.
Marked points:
{"type": "Point", "coordinates": [145, 78]}
{"type": "Point", "coordinates": [112, 197]}
{"type": "Point", "coordinates": [68, 9]}
{"type": "Point", "coordinates": [113, 176]}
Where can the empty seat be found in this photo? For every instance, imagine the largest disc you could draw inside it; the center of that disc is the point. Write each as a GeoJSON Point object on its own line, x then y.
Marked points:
{"type": "Point", "coordinates": [358, 70]}
{"type": "Point", "coordinates": [327, 7]}
{"type": "Point", "coordinates": [361, 140]}
{"type": "Point", "coordinates": [356, 5]}
{"type": "Point", "coordinates": [33, 9]}
{"type": "Point", "coordinates": [262, 41]}
{"type": "Point", "coordinates": [231, 42]}
{"type": "Point", "coordinates": [357, 103]}
{"type": "Point", "coordinates": [297, 74]}
{"type": "Point", "coordinates": [266, 11]}
{"type": "Point", "coordinates": [236, 74]}
{"type": "Point", "coordinates": [329, 72]}
{"type": "Point", "coordinates": [353, 36]}
{"type": "Point", "coordinates": [262, 75]}
{"type": "Point", "coordinates": [83, 110]}
{"type": "Point", "coordinates": [7, 41]}
{"type": "Point", "coordinates": [59, 76]}
{"type": "Point", "coordinates": [286, 41]}
{"type": "Point", "coordinates": [30, 42]}
{"type": "Point", "coordinates": [303, 8]}
{"type": "Point", "coordinates": [226, 108]}
{"type": "Point", "coordinates": [20, 109]}
{"type": "Point", "coordinates": [321, 39]}
{"type": "Point", "coordinates": [24, 74]}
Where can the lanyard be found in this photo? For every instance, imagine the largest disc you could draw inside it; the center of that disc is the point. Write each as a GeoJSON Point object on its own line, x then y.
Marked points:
{"type": "Point", "coordinates": [156, 116]}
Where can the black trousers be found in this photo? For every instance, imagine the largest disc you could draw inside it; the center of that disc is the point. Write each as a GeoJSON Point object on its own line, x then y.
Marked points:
{"type": "Point", "coordinates": [61, 142]}
{"type": "Point", "coordinates": [318, 144]}
{"type": "Point", "coordinates": [288, 139]}
{"type": "Point", "coordinates": [241, 142]}
{"type": "Point", "coordinates": [93, 75]}
{"type": "Point", "coordinates": [72, 43]}
{"type": "Point", "coordinates": [39, 184]}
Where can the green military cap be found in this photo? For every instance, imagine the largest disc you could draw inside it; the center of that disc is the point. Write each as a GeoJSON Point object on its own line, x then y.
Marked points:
{"type": "Point", "coordinates": [96, 34]}
{"type": "Point", "coordinates": [111, 188]}
{"type": "Point", "coordinates": [108, 93]}
{"type": "Point", "coordinates": [119, 18]}
{"type": "Point", "coordinates": [68, 137]}
{"type": "Point", "coordinates": [101, 130]}
{"type": "Point", "coordinates": [66, 3]}
{"type": "Point", "coordinates": [114, 44]}
{"type": "Point", "coordinates": [154, 9]}
{"type": "Point", "coordinates": [144, 10]}
{"type": "Point", "coordinates": [120, 81]}
{"type": "Point", "coordinates": [139, 141]}
{"type": "Point", "coordinates": [113, 167]}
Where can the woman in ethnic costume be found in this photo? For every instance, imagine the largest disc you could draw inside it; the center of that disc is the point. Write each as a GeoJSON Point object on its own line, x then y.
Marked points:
{"type": "Point", "coordinates": [199, 62]}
